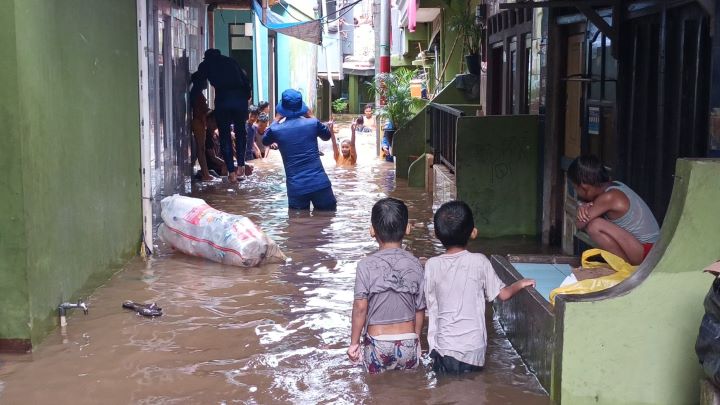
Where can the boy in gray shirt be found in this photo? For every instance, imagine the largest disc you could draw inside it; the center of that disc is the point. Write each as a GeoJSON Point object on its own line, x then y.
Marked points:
{"type": "Point", "coordinates": [389, 299]}
{"type": "Point", "coordinates": [457, 286]}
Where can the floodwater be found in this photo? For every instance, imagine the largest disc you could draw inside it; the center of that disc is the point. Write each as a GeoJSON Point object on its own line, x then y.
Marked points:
{"type": "Point", "coordinates": [270, 335]}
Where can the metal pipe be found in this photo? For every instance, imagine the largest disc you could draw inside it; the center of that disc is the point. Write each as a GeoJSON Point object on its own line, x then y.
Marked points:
{"type": "Point", "coordinates": [385, 32]}
{"type": "Point", "coordinates": [145, 133]}
{"type": "Point", "coordinates": [326, 30]}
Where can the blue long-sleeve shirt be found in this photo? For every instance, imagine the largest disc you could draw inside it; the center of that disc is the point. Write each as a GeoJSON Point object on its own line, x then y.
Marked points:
{"type": "Point", "coordinates": [232, 86]}
{"type": "Point", "coordinates": [297, 141]}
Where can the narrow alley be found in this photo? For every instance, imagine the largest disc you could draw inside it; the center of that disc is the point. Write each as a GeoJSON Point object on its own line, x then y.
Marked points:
{"type": "Point", "coordinates": [273, 334]}
{"type": "Point", "coordinates": [558, 158]}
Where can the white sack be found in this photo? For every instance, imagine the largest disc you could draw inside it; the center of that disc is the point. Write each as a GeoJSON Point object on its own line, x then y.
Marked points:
{"type": "Point", "coordinates": [193, 227]}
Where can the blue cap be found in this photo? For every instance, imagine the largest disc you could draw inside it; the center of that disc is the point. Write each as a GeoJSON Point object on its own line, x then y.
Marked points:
{"type": "Point", "coordinates": [292, 105]}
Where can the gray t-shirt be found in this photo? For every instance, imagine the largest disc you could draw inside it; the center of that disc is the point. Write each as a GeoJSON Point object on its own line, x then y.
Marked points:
{"type": "Point", "coordinates": [392, 282]}
{"type": "Point", "coordinates": [457, 287]}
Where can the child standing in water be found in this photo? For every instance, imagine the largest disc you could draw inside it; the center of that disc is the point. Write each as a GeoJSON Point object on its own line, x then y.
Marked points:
{"type": "Point", "coordinates": [389, 302]}
{"type": "Point", "coordinates": [457, 286]}
{"type": "Point", "coordinates": [346, 155]}
{"type": "Point", "coordinates": [613, 215]}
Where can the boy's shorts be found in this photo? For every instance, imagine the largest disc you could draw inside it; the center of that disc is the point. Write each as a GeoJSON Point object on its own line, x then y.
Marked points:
{"type": "Point", "coordinates": [391, 352]}
{"type": "Point", "coordinates": [646, 249]}
{"type": "Point", "coordinates": [450, 365]}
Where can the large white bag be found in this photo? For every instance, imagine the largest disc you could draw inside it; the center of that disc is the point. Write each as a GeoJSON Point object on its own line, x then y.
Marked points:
{"type": "Point", "coordinates": [193, 227]}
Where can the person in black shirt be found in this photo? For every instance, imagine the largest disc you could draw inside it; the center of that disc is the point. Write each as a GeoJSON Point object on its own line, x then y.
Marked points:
{"type": "Point", "coordinates": [232, 91]}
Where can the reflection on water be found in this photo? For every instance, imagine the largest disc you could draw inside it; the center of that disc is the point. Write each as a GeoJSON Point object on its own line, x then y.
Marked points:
{"type": "Point", "coordinates": [273, 334]}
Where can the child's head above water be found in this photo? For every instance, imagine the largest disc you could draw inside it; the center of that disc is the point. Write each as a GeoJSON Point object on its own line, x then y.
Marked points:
{"type": "Point", "coordinates": [454, 224]}
{"type": "Point", "coordinates": [345, 147]}
{"type": "Point", "coordinates": [389, 218]}
{"type": "Point", "coordinates": [264, 106]}
{"type": "Point", "coordinates": [252, 114]}
{"type": "Point", "coordinates": [262, 121]}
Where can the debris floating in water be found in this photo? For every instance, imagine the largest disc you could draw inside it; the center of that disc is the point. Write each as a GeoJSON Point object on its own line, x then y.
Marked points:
{"type": "Point", "coordinates": [151, 310]}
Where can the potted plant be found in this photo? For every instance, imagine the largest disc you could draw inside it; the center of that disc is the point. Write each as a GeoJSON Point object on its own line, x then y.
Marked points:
{"type": "Point", "coordinates": [471, 34]}
{"type": "Point", "coordinates": [399, 104]}
{"type": "Point", "coordinates": [339, 105]}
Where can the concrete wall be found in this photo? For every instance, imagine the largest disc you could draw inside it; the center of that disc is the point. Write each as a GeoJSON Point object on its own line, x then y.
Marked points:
{"type": "Point", "coordinates": [70, 154]}
{"type": "Point", "coordinates": [635, 345]}
{"type": "Point", "coordinates": [14, 304]}
{"type": "Point", "coordinates": [498, 172]}
{"type": "Point", "coordinates": [410, 141]}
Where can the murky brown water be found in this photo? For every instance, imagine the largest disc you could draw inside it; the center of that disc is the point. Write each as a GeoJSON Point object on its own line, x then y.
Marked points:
{"type": "Point", "coordinates": [274, 334]}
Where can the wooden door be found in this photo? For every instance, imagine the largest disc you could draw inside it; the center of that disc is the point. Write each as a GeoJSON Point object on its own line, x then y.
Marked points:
{"type": "Point", "coordinates": [573, 104]}
{"type": "Point", "coordinates": [573, 99]}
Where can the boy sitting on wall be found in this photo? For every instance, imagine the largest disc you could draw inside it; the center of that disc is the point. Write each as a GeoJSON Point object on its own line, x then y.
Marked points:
{"type": "Point", "coordinates": [612, 214]}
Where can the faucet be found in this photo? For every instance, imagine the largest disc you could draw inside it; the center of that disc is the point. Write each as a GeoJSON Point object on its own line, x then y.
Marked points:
{"type": "Point", "coordinates": [67, 305]}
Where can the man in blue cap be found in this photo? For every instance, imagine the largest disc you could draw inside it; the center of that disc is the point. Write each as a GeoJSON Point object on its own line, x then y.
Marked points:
{"type": "Point", "coordinates": [295, 133]}
{"type": "Point", "coordinates": [232, 91]}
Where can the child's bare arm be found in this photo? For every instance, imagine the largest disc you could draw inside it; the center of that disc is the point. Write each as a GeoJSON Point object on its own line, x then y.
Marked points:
{"type": "Point", "coordinates": [359, 314]}
{"type": "Point", "coordinates": [353, 151]}
{"type": "Point", "coordinates": [336, 150]}
{"type": "Point", "coordinates": [507, 292]}
{"type": "Point", "coordinates": [419, 320]}
{"type": "Point", "coordinates": [613, 200]}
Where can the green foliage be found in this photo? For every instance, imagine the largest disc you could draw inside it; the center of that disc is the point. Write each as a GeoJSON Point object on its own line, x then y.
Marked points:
{"type": "Point", "coordinates": [464, 25]}
{"type": "Point", "coordinates": [400, 106]}
{"type": "Point", "coordinates": [339, 105]}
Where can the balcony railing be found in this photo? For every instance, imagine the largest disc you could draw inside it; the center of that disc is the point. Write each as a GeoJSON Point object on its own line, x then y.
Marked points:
{"type": "Point", "coordinates": [443, 127]}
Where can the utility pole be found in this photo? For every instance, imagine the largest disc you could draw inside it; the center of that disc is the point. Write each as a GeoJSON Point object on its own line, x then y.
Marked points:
{"type": "Point", "coordinates": [264, 11]}
{"type": "Point", "coordinates": [384, 48]}
{"type": "Point", "coordinates": [385, 29]}
{"type": "Point", "coordinates": [326, 30]}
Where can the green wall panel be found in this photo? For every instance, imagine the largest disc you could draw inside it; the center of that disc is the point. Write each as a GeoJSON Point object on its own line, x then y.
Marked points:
{"type": "Point", "coordinates": [79, 136]}
{"type": "Point", "coordinates": [14, 305]}
{"type": "Point", "coordinates": [409, 141]}
{"type": "Point", "coordinates": [497, 173]}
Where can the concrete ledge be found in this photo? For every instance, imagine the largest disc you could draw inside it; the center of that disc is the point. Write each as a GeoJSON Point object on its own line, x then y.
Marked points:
{"type": "Point", "coordinates": [15, 346]}
{"type": "Point", "coordinates": [528, 321]}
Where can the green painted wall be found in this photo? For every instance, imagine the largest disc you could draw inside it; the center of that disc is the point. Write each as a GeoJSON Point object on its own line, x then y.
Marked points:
{"type": "Point", "coordinates": [13, 252]}
{"type": "Point", "coordinates": [497, 171]}
{"type": "Point", "coordinates": [75, 171]}
{"type": "Point", "coordinates": [417, 172]}
{"type": "Point", "coordinates": [639, 348]}
{"type": "Point", "coordinates": [413, 139]}
{"type": "Point", "coordinates": [409, 141]}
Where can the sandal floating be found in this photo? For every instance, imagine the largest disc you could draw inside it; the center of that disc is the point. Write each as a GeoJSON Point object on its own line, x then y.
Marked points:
{"type": "Point", "coordinates": [150, 310]}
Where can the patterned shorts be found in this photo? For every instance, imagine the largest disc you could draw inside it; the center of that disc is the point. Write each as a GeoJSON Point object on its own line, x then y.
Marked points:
{"type": "Point", "coordinates": [391, 352]}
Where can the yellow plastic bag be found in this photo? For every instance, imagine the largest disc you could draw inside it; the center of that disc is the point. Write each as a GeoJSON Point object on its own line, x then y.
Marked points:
{"type": "Point", "coordinates": [622, 269]}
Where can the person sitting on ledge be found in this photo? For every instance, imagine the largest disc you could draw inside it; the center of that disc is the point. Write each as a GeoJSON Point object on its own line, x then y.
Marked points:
{"type": "Point", "coordinates": [612, 214]}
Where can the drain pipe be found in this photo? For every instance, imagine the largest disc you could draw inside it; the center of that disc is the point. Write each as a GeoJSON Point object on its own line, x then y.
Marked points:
{"type": "Point", "coordinates": [145, 138]}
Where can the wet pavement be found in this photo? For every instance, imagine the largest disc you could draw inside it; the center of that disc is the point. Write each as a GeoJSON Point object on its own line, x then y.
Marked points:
{"type": "Point", "coordinates": [266, 335]}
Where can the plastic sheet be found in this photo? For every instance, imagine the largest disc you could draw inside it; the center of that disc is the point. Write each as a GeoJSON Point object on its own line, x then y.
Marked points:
{"type": "Point", "coordinates": [592, 259]}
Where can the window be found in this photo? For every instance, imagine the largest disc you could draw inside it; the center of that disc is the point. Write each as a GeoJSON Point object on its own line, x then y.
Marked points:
{"type": "Point", "coordinates": [241, 36]}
